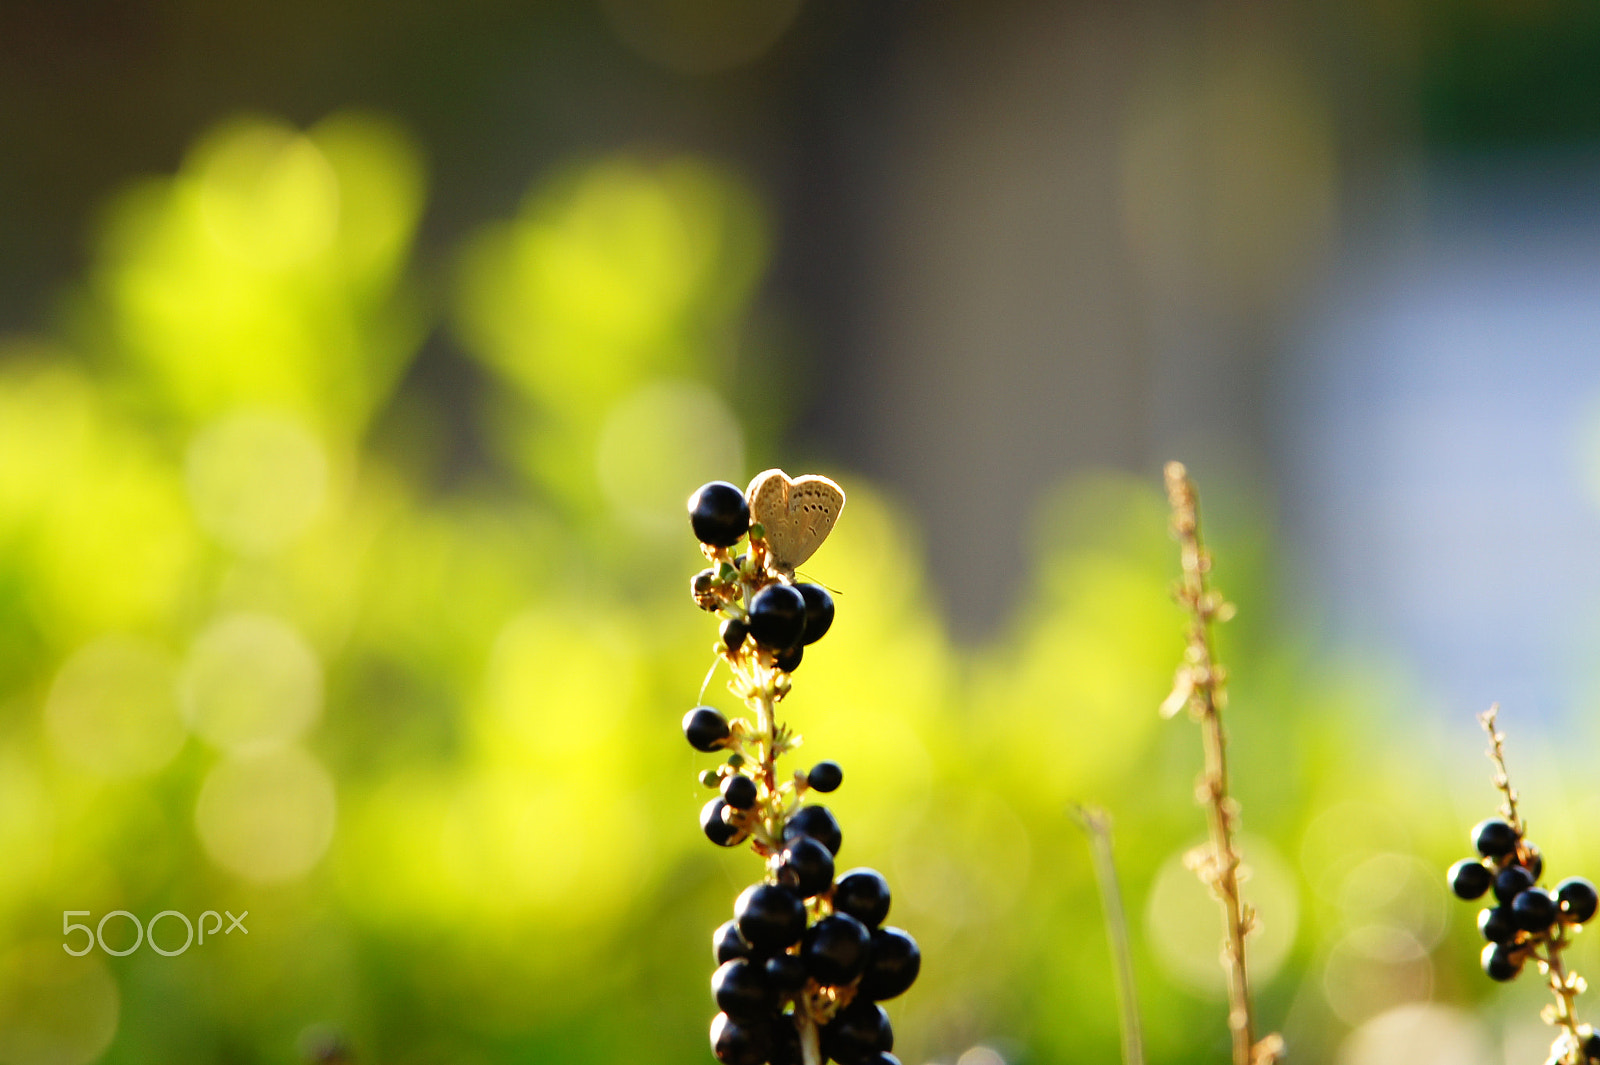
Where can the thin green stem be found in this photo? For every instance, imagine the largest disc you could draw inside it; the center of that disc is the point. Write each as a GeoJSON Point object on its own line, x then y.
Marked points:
{"type": "Point", "coordinates": [1096, 824]}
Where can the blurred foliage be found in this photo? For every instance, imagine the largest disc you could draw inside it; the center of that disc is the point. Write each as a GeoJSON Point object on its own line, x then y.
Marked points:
{"type": "Point", "coordinates": [252, 659]}
{"type": "Point", "coordinates": [1501, 75]}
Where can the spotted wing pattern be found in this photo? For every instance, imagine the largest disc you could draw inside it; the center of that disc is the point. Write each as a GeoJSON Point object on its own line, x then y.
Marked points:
{"type": "Point", "coordinates": [796, 514]}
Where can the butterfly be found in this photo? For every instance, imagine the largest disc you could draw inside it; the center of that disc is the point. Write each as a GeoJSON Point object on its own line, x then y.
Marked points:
{"type": "Point", "coordinates": [797, 515]}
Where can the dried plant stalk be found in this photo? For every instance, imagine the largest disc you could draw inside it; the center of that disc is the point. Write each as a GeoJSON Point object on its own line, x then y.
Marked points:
{"type": "Point", "coordinates": [1497, 758]}
{"type": "Point", "coordinates": [1200, 687]}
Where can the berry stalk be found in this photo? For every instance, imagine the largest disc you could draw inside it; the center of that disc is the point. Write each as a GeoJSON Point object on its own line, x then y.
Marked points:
{"type": "Point", "coordinates": [807, 958]}
{"type": "Point", "coordinates": [1530, 923]}
{"type": "Point", "coordinates": [1200, 687]}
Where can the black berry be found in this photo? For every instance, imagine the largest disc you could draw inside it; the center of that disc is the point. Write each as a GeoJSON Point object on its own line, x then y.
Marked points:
{"type": "Point", "coordinates": [733, 633]}
{"type": "Point", "coordinates": [1494, 838]}
{"type": "Point", "coordinates": [739, 791]}
{"type": "Point", "coordinates": [893, 962]}
{"type": "Point", "coordinates": [701, 589]}
{"type": "Point", "coordinates": [864, 895]}
{"type": "Point", "coordinates": [727, 944]}
{"type": "Point", "coordinates": [741, 989]}
{"type": "Point", "coordinates": [808, 863]}
{"type": "Point", "coordinates": [785, 1043]}
{"type": "Point", "coordinates": [1591, 1046]}
{"type": "Point", "coordinates": [777, 617]}
{"type": "Point", "coordinates": [1469, 878]}
{"type": "Point", "coordinates": [835, 949]}
{"type": "Point", "coordinates": [819, 611]}
{"type": "Point", "coordinates": [857, 1033]}
{"type": "Point", "coordinates": [789, 658]}
{"type": "Point", "coordinates": [1534, 910]}
{"type": "Point", "coordinates": [718, 830]}
{"type": "Point", "coordinates": [817, 822]}
{"type": "Point", "coordinates": [1499, 962]}
{"type": "Point", "coordinates": [719, 514]}
{"type": "Point", "coordinates": [1511, 881]}
{"type": "Point", "coordinates": [1497, 925]}
{"type": "Point", "coordinates": [770, 917]}
{"type": "Point", "coordinates": [1533, 861]}
{"type": "Point", "coordinates": [825, 777]}
{"type": "Point", "coordinates": [740, 1042]}
{"type": "Point", "coordinates": [1577, 899]}
{"type": "Point", "coordinates": [705, 728]}
{"type": "Point", "coordinates": [786, 972]}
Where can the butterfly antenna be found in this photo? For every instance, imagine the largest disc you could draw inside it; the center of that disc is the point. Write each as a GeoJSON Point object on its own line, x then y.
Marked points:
{"type": "Point", "coordinates": [808, 579]}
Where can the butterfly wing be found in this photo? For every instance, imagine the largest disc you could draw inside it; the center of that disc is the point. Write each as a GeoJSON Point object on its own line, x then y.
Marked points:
{"type": "Point", "coordinates": [814, 506]}
{"type": "Point", "coordinates": [797, 515]}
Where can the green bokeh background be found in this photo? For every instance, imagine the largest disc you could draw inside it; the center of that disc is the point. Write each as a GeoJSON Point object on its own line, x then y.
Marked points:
{"type": "Point", "coordinates": [264, 647]}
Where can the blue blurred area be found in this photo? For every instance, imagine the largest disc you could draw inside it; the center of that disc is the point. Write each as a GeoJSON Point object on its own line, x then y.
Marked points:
{"type": "Point", "coordinates": [1440, 434]}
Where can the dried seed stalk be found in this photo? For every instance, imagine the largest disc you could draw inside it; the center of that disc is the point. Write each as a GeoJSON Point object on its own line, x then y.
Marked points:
{"type": "Point", "coordinates": [1200, 687]}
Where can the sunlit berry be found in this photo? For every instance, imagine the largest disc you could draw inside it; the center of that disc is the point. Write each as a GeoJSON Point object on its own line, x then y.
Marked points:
{"type": "Point", "coordinates": [700, 587]}
{"type": "Point", "coordinates": [719, 514]}
{"type": "Point", "coordinates": [777, 617]}
{"type": "Point", "coordinates": [817, 822]}
{"type": "Point", "coordinates": [864, 895]}
{"type": "Point", "coordinates": [789, 658]}
{"type": "Point", "coordinates": [893, 962]}
{"type": "Point", "coordinates": [1532, 861]}
{"type": "Point", "coordinates": [825, 777]}
{"type": "Point", "coordinates": [727, 944]}
{"type": "Point", "coordinates": [1469, 878]}
{"type": "Point", "coordinates": [1534, 910]}
{"type": "Point", "coordinates": [819, 611]}
{"type": "Point", "coordinates": [1494, 838]}
{"type": "Point", "coordinates": [739, 791]}
{"type": "Point", "coordinates": [786, 972]}
{"type": "Point", "coordinates": [740, 1042]}
{"type": "Point", "coordinates": [1496, 924]}
{"type": "Point", "coordinates": [835, 949]}
{"type": "Point", "coordinates": [1591, 1046]}
{"type": "Point", "coordinates": [741, 989]}
{"type": "Point", "coordinates": [733, 632]}
{"type": "Point", "coordinates": [705, 728]}
{"type": "Point", "coordinates": [1510, 882]}
{"type": "Point", "coordinates": [770, 917]}
{"type": "Point", "coordinates": [808, 863]}
{"type": "Point", "coordinates": [858, 1032]}
{"type": "Point", "coordinates": [1577, 899]}
{"type": "Point", "coordinates": [1499, 962]}
{"type": "Point", "coordinates": [714, 824]}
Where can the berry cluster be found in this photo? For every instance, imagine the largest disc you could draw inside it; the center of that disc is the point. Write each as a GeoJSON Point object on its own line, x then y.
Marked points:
{"type": "Point", "coordinates": [1529, 923]}
{"type": "Point", "coordinates": [1527, 916]}
{"type": "Point", "coordinates": [806, 959]}
{"type": "Point", "coordinates": [779, 616]}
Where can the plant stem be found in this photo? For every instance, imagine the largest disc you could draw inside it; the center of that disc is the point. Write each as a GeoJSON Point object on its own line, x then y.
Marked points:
{"type": "Point", "coordinates": [1565, 993]}
{"type": "Point", "coordinates": [1200, 687]}
{"type": "Point", "coordinates": [1497, 757]}
{"type": "Point", "coordinates": [810, 1050]}
{"type": "Point", "coordinates": [1096, 824]}
{"type": "Point", "coordinates": [1565, 986]}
